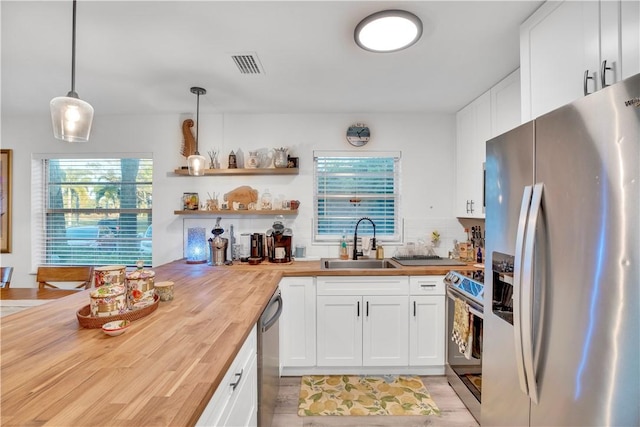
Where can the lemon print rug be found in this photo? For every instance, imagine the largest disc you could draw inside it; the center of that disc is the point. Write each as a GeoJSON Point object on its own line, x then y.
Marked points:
{"type": "Point", "coordinates": [364, 395]}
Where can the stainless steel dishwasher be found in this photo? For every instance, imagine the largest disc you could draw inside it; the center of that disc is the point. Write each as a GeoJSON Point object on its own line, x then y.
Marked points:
{"type": "Point", "coordinates": [269, 359]}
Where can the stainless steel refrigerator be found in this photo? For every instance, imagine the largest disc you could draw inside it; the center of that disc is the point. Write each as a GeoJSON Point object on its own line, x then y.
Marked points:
{"type": "Point", "coordinates": [562, 334]}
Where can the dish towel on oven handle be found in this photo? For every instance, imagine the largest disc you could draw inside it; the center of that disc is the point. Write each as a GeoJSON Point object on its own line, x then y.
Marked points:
{"type": "Point", "coordinates": [462, 333]}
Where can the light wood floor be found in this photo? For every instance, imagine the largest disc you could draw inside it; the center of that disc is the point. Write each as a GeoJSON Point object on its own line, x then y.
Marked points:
{"type": "Point", "coordinates": [453, 411]}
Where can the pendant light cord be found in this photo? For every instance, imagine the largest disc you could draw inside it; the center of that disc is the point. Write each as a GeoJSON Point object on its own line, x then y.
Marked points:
{"type": "Point", "coordinates": [73, 93]}
{"type": "Point", "coordinates": [197, 120]}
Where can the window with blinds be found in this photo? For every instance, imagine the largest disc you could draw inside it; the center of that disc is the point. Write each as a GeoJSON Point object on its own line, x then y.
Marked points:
{"type": "Point", "coordinates": [91, 211]}
{"type": "Point", "coordinates": [349, 186]}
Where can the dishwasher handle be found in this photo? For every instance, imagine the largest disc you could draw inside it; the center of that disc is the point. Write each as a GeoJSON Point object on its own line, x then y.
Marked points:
{"type": "Point", "coordinates": [266, 325]}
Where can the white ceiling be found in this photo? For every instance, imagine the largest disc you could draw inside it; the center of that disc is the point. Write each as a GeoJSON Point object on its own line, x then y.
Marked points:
{"type": "Point", "coordinates": [142, 57]}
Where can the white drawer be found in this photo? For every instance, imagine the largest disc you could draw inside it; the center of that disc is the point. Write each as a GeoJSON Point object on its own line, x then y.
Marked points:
{"type": "Point", "coordinates": [362, 285]}
{"type": "Point", "coordinates": [426, 285]}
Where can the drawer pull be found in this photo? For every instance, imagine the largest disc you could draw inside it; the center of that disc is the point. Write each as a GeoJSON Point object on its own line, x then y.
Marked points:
{"type": "Point", "coordinates": [234, 385]}
{"type": "Point", "coordinates": [427, 285]}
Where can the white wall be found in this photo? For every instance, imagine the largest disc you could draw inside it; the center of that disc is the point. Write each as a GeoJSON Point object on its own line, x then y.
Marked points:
{"type": "Point", "coordinates": [427, 143]}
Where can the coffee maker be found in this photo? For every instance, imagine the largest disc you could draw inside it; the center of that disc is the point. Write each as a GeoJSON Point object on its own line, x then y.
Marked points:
{"type": "Point", "coordinates": [279, 241]}
{"type": "Point", "coordinates": [257, 247]}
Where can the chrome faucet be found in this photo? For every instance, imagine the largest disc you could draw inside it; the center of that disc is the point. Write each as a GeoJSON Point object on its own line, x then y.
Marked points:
{"type": "Point", "coordinates": [355, 237]}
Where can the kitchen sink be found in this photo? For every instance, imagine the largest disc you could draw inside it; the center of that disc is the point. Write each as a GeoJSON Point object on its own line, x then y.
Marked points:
{"type": "Point", "coordinates": [333, 264]}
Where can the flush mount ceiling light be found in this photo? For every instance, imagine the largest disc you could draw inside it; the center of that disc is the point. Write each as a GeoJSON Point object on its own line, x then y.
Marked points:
{"type": "Point", "coordinates": [388, 31]}
{"type": "Point", "coordinates": [196, 162]}
{"type": "Point", "coordinates": [71, 117]}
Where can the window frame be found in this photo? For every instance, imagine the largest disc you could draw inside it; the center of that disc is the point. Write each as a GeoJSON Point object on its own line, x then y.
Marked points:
{"type": "Point", "coordinates": [40, 210]}
{"type": "Point", "coordinates": [396, 237]}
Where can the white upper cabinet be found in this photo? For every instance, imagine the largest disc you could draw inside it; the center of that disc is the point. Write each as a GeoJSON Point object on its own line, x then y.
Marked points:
{"type": "Point", "coordinates": [505, 104]}
{"type": "Point", "coordinates": [569, 49]}
{"type": "Point", "coordinates": [491, 114]}
{"type": "Point", "coordinates": [473, 125]}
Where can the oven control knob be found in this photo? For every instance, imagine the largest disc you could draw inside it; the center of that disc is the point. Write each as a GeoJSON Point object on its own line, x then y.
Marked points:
{"type": "Point", "coordinates": [456, 279]}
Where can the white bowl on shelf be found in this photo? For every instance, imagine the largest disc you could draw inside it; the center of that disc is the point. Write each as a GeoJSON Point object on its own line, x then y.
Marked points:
{"type": "Point", "coordinates": [116, 327]}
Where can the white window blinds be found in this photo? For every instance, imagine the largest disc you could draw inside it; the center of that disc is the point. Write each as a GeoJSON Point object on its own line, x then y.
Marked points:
{"type": "Point", "coordinates": [349, 186]}
{"type": "Point", "coordinates": [91, 211]}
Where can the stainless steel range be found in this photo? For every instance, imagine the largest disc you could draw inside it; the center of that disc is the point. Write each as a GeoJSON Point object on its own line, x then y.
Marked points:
{"type": "Point", "coordinates": [465, 308]}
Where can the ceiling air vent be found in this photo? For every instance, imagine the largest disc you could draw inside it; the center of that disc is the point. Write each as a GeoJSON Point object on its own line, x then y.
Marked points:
{"type": "Point", "coordinates": [248, 63]}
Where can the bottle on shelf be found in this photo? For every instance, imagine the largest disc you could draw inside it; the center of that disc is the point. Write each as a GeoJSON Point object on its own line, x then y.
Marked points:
{"type": "Point", "coordinates": [232, 161]}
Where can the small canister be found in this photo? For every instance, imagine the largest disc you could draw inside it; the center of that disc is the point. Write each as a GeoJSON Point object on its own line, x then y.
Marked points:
{"type": "Point", "coordinates": [164, 290]}
{"type": "Point", "coordinates": [109, 274]}
{"type": "Point", "coordinates": [108, 300]}
{"type": "Point", "coordinates": [140, 288]}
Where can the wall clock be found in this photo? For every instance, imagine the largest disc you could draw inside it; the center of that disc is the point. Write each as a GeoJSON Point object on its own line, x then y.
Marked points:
{"type": "Point", "coordinates": [358, 134]}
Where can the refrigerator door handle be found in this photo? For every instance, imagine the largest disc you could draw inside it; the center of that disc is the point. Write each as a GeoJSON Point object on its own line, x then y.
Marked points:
{"type": "Point", "coordinates": [527, 291]}
{"type": "Point", "coordinates": [517, 280]}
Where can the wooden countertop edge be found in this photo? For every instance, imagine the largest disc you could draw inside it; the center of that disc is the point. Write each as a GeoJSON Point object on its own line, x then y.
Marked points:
{"type": "Point", "coordinates": [221, 373]}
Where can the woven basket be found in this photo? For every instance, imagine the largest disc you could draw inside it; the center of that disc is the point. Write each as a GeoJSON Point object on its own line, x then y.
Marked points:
{"type": "Point", "coordinates": [87, 321]}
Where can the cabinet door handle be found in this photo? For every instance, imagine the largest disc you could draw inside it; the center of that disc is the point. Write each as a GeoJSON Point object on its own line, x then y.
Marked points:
{"type": "Point", "coordinates": [414, 309]}
{"type": "Point", "coordinates": [467, 208]}
{"type": "Point", "coordinates": [587, 77]}
{"type": "Point", "coordinates": [358, 308]}
{"type": "Point", "coordinates": [603, 70]}
{"type": "Point", "coordinates": [367, 308]}
{"type": "Point", "coordinates": [471, 205]}
{"type": "Point", "coordinates": [234, 385]}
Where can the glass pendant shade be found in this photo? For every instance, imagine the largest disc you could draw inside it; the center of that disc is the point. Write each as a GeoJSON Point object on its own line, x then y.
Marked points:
{"type": "Point", "coordinates": [196, 164]}
{"type": "Point", "coordinates": [71, 118]}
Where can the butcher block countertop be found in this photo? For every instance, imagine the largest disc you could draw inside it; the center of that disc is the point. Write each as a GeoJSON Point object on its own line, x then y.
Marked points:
{"type": "Point", "coordinates": [163, 370]}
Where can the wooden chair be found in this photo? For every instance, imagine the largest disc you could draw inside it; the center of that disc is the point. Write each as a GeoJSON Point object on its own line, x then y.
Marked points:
{"type": "Point", "coordinates": [6, 273]}
{"type": "Point", "coordinates": [50, 277]}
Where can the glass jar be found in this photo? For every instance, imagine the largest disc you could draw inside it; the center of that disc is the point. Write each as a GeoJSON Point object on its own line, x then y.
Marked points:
{"type": "Point", "coordinates": [266, 201]}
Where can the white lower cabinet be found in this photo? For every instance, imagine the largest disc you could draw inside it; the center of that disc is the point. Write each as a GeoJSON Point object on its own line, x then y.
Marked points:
{"type": "Point", "coordinates": [385, 332]}
{"type": "Point", "coordinates": [298, 322]}
{"type": "Point", "coordinates": [362, 324]}
{"type": "Point", "coordinates": [339, 330]}
{"type": "Point", "coordinates": [362, 321]}
{"type": "Point", "coordinates": [426, 325]}
{"type": "Point", "coordinates": [235, 402]}
{"type": "Point", "coordinates": [426, 331]}
{"type": "Point", "coordinates": [362, 331]}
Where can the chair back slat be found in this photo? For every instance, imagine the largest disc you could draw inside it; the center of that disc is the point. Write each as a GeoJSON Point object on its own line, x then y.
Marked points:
{"type": "Point", "coordinates": [50, 277]}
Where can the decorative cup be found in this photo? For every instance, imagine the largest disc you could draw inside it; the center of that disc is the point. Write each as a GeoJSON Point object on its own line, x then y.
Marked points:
{"type": "Point", "coordinates": [164, 290]}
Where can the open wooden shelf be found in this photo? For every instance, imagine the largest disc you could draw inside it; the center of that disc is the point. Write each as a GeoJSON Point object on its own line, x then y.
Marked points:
{"type": "Point", "coordinates": [237, 212]}
{"type": "Point", "coordinates": [244, 171]}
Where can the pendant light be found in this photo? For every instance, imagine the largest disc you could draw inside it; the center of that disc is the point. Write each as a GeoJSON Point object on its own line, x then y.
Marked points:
{"type": "Point", "coordinates": [71, 117]}
{"type": "Point", "coordinates": [196, 162]}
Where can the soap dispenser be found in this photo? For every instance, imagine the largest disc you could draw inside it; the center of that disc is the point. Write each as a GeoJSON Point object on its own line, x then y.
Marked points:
{"type": "Point", "coordinates": [344, 252]}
